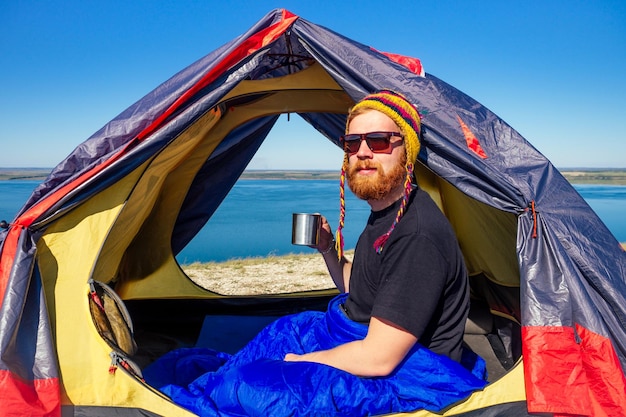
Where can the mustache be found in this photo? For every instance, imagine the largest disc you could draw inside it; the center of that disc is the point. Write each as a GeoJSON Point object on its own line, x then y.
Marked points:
{"type": "Point", "coordinates": [365, 164]}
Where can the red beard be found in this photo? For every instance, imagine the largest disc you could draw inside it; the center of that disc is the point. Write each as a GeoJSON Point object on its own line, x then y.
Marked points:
{"type": "Point", "coordinates": [377, 186]}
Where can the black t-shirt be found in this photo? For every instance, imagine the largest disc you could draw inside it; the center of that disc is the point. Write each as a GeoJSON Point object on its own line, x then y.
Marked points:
{"type": "Point", "coordinates": [419, 282]}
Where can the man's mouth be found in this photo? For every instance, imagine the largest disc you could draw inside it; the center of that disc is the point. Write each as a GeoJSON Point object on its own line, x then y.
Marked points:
{"type": "Point", "coordinates": [366, 170]}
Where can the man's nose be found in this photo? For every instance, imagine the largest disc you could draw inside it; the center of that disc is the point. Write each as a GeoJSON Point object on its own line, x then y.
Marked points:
{"type": "Point", "coordinates": [364, 151]}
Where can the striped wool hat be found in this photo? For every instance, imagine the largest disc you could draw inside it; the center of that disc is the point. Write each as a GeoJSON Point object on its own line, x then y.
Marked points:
{"type": "Point", "coordinates": [405, 115]}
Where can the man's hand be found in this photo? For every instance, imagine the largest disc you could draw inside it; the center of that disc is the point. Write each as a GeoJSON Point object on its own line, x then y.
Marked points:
{"type": "Point", "coordinates": [326, 237]}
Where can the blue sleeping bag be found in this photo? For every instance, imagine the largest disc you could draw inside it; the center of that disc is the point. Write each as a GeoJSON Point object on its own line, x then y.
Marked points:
{"type": "Point", "coordinates": [257, 382]}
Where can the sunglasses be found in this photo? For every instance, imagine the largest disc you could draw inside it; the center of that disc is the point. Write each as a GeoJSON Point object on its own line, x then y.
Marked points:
{"type": "Point", "coordinates": [378, 142]}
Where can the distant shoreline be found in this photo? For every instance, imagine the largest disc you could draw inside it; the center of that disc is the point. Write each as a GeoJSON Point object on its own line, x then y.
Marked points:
{"type": "Point", "coordinates": [607, 176]}
{"type": "Point", "coordinates": [24, 174]}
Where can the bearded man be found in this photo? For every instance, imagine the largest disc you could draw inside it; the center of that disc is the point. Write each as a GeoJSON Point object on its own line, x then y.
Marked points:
{"type": "Point", "coordinates": [399, 317]}
{"type": "Point", "coordinates": [407, 281]}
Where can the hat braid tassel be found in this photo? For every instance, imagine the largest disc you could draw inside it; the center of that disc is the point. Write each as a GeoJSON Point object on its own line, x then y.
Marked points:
{"type": "Point", "coordinates": [342, 214]}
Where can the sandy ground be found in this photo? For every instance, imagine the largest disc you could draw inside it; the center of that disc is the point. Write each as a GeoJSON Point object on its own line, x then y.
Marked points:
{"type": "Point", "coordinates": [268, 275]}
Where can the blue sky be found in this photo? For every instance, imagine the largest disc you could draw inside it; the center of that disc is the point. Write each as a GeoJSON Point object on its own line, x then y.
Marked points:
{"type": "Point", "coordinates": [554, 70]}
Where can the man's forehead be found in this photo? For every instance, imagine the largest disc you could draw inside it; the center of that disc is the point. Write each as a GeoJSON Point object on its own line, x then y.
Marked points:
{"type": "Point", "coordinates": [371, 118]}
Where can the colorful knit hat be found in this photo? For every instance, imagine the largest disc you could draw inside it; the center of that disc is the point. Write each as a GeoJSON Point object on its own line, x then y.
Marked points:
{"type": "Point", "coordinates": [406, 116]}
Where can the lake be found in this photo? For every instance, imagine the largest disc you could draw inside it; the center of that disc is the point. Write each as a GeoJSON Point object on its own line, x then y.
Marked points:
{"type": "Point", "coordinates": [255, 217]}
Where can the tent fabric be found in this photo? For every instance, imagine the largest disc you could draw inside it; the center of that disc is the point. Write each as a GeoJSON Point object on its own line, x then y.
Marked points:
{"type": "Point", "coordinates": [256, 381]}
{"type": "Point", "coordinates": [25, 340]}
{"type": "Point", "coordinates": [569, 268]}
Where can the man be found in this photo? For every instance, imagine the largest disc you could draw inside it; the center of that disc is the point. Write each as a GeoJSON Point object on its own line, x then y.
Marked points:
{"type": "Point", "coordinates": [405, 289]}
{"type": "Point", "coordinates": [408, 279]}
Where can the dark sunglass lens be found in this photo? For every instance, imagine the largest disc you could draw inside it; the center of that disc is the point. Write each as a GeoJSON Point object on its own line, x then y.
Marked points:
{"type": "Point", "coordinates": [378, 141]}
{"type": "Point", "coordinates": [351, 143]}
{"type": "Point", "coordinates": [351, 138]}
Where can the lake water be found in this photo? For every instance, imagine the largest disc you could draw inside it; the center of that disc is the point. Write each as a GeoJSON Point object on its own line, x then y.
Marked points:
{"type": "Point", "coordinates": [255, 217]}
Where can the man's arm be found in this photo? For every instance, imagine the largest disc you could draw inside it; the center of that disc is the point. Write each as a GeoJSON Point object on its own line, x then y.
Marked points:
{"type": "Point", "coordinates": [339, 269]}
{"type": "Point", "coordinates": [378, 354]}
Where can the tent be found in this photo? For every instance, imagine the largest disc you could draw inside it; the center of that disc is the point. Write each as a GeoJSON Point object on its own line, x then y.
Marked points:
{"type": "Point", "coordinates": [90, 287]}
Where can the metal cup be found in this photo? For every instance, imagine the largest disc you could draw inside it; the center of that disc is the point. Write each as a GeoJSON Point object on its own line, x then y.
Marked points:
{"type": "Point", "coordinates": [305, 229]}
